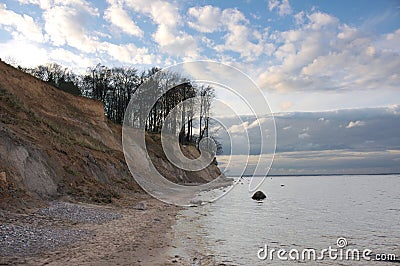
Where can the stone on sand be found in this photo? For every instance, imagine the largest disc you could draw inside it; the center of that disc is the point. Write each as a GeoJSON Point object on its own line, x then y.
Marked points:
{"type": "Point", "coordinates": [142, 206]}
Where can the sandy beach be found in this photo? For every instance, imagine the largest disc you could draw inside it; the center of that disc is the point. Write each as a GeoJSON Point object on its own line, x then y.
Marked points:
{"type": "Point", "coordinates": [101, 235]}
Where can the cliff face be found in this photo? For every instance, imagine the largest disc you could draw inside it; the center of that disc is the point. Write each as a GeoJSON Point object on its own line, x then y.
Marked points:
{"type": "Point", "coordinates": [53, 144]}
{"type": "Point", "coordinates": [173, 173]}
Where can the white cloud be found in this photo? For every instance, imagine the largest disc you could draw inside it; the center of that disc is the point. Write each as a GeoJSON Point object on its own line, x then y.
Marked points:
{"type": "Point", "coordinates": [240, 37]}
{"type": "Point", "coordinates": [238, 128]}
{"type": "Point", "coordinates": [24, 53]}
{"type": "Point", "coordinates": [304, 135]}
{"type": "Point", "coordinates": [355, 124]}
{"type": "Point", "coordinates": [324, 120]}
{"type": "Point", "coordinates": [273, 4]}
{"type": "Point", "coordinates": [394, 109]}
{"type": "Point", "coordinates": [390, 42]}
{"type": "Point", "coordinates": [245, 126]}
{"type": "Point", "coordinates": [20, 26]}
{"type": "Point", "coordinates": [168, 36]}
{"type": "Point", "coordinates": [257, 122]}
{"type": "Point", "coordinates": [319, 53]}
{"type": "Point", "coordinates": [299, 18]}
{"type": "Point", "coordinates": [161, 12]}
{"type": "Point", "coordinates": [44, 4]}
{"type": "Point", "coordinates": [318, 20]}
{"type": "Point", "coordinates": [116, 14]}
{"type": "Point", "coordinates": [127, 53]}
{"type": "Point", "coordinates": [176, 42]}
{"type": "Point", "coordinates": [206, 18]}
{"type": "Point", "coordinates": [66, 24]}
{"type": "Point", "coordinates": [323, 54]}
{"type": "Point", "coordinates": [283, 7]}
{"type": "Point", "coordinates": [70, 59]}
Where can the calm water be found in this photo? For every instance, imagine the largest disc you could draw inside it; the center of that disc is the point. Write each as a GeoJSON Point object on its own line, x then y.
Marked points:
{"type": "Point", "coordinates": [307, 212]}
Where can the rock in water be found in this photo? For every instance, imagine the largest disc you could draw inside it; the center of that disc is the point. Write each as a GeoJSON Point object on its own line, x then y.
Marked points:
{"type": "Point", "coordinates": [259, 195]}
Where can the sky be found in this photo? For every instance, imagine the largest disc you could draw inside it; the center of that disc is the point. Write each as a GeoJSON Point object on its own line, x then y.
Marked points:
{"type": "Point", "coordinates": [304, 55]}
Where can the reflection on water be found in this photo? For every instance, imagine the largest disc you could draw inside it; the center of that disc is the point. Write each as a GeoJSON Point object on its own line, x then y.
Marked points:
{"type": "Point", "coordinates": [307, 212]}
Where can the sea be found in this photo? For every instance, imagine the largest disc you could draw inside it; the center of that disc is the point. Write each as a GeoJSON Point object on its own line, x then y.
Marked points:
{"type": "Point", "coordinates": [352, 214]}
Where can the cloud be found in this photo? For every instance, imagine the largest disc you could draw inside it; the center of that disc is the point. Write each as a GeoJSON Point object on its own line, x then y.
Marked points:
{"type": "Point", "coordinates": [24, 53]}
{"type": "Point", "coordinates": [317, 53]}
{"type": "Point", "coordinates": [238, 128]}
{"type": "Point", "coordinates": [304, 135]}
{"type": "Point", "coordinates": [240, 37]}
{"type": "Point", "coordinates": [161, 12]}
{"type": "Point", "coordinates": [257, 122]}
{"type": "Point", "coordinates": [127, 53]}
{"type": "Point", "coordinates": [324, 54]}
{"type": "Point", "coordinates": [357, 123]}
{"type": "Point", "coordinates": [20, 26]}
{"type": "Point", "coordinates": [283, 7]}
{"type": "Point", "coordinates": [66, 24]}
{"type": "Point", "coordinates": [320, 162]}
{"type": "Point", "coordinates": [299, 18]}
{"type": "Point", "coordinates": [330, 149]}
{"type": "Point", "coordinates": [204, 19]}
{"type": "Point", "coordinates": [66, 57]}
{"type": "Point", "coordinates": [174, 42]}
{"type": "Point", "coordinates": [319, 20]}
{"type": "Point", "coordinates": [44, 4]}
{"type": "Point", "coordinates": [394, 109]}
{"type": "Point", "coordinates": [119, 17]}
{"type": "Point", "coordinates": [324, 120]}
{"type": "Point", "coordinates": [168, 36]}
{"type": "Point", "coordinates": [247, 125]}
{"type": "Point", "coordinates": [390, 42]}
{"type": "Point", "coordinates": [306, 131]}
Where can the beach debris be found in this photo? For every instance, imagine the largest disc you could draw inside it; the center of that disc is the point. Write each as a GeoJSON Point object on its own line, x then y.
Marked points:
{"type": "Point", "coordinates": [78, 213]}
{"type": "Point", "coordinates": [26, 239]}
{"type": "Point", "coordinates": [142, 206]}
{"type": "Point", "coordinates": [196, 262]}
{"type": "Point", "coordinates": [259, 195]}
{"type": "Point", "coordinates": [195, 202]}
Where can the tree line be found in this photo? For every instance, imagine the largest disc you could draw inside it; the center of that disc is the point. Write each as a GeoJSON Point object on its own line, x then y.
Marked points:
{"type": "Point", "coordinates": [116, 86]}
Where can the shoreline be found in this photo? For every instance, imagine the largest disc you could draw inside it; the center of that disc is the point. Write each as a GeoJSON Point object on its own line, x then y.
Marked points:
{"type": "Point", "coordinates": [137, 237]}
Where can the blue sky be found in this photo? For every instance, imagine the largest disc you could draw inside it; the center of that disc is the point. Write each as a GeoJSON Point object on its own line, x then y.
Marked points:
{"type": "Point", "coordinates": [304, 55]}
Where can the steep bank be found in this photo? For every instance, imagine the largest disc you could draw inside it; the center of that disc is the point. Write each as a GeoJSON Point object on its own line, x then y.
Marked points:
{"type": "Point", "coordinates": [173, 173]}
{"type": "Point", "coordinates": [56, 145]}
